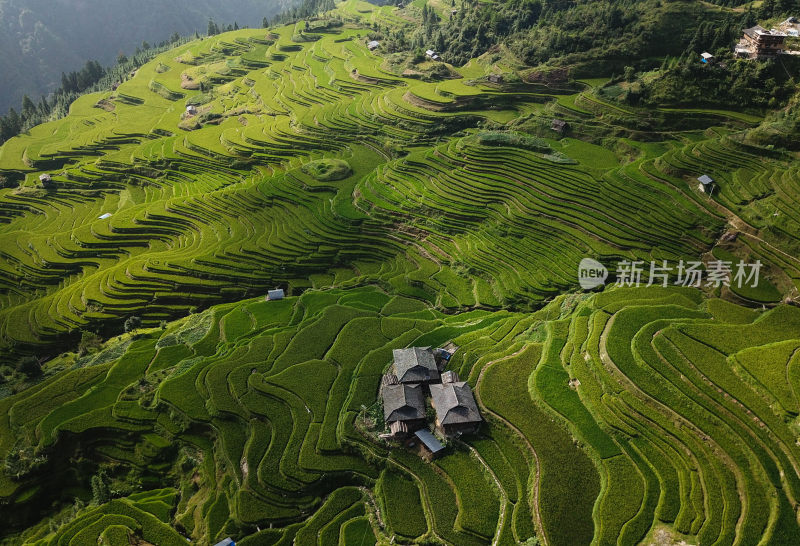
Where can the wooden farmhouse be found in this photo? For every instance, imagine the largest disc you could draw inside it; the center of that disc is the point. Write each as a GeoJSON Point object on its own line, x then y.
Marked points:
{"type": "Point", "coordinates": [403, 406]}
{"type": "Point", "coordinates": [456, 410]}
{"type": "Point", "coordinates": [415, 365]}
{"type": "Point", "coordinates": [760, 43]}
{"type": "Point", "coordinates": [414, 374]}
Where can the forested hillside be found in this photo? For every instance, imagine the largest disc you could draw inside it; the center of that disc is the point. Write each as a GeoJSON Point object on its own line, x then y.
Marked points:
{"type": "Point", "coordinates": [40, 39]}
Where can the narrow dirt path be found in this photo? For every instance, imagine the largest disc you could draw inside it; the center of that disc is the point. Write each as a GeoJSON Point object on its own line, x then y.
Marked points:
{"type": "Point", "coordinates": [505, 502]}
{"type": "Point", "coordinates": [425, 498]}
{"type": "Point", "coordinates": [537, 516]}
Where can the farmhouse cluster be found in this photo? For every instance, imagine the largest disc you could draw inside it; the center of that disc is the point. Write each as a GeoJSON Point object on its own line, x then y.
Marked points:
{"type": "Point", "coordinates": [760, 43]}
{"type": "Point", "coordinates": [416, 374]}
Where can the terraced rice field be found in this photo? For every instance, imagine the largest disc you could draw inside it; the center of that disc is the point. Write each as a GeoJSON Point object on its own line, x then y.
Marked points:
{"type": "Point", "coordinates": [611, 417]}
{"type": "Point", "coordinates": [685, 426]}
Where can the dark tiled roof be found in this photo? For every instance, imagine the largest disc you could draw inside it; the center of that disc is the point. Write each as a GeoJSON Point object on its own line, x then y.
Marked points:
{"type": "Point", "coordinates": [403, 402]}
{"type": "Point", "coordinates": [454, 403]}
{"type": "Point", "coordinates": [754, 31]}
{"type": "Point", "coordinates": [415, 365]}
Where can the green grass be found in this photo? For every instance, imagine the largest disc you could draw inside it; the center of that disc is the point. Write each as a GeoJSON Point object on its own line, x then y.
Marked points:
{"type": "Point", "coordinates": [357, 531]}
{"type": "Point", "coordinates": [403, 505]}
{"type": "Point", "coordinates": [569, 482]}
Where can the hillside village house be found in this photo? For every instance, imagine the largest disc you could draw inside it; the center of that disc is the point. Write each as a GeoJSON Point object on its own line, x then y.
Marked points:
{"type": "Point", "coordinates": [415, 365]}
{"type": "Point", "coordinates": [191, 110]}
{"type": "Point", "coordinates": [403, 406]}
{"type": "Point", "coordinates": [276, 294]}
{"type": "Point", "coordinates": [373, 45]}
{"type": "Point", "coordinates": [456, 409]}
{"type": "Point", "coordinates": [706, 58]}
{"type": "Point", "coordinates": [706, 183]}
{"type": "Point", "coordinates": [227, 542]}
{"type": "Point", "coordinates": [415, 372]}
{"type": "Point", "coordinates": [760, 43]}
{"type": "Point", "coordinates": [558, 125]}
{"type": "Point", "coordinates": [45, 179]}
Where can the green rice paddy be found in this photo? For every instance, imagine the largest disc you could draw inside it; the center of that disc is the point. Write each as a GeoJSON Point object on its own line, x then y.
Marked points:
{"type": "Point", "coordinates": [395, 212]}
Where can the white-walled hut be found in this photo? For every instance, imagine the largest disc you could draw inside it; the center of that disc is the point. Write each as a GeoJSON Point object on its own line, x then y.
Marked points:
{"type": "Point", "coordinates": [277, 294]}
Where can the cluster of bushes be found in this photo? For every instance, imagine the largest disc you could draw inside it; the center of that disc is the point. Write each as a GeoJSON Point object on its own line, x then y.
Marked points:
{"type": "Point", "coordinates": [729, 83]}
{"type": "Point", "coordinates": [515, 140]}
{"type": "Point", "coordinates": [328, 170]}
{"type": "Point", "coordinates": [781, 129]}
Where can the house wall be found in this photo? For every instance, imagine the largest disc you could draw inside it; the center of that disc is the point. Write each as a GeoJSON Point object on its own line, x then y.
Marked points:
{"type": "Point", "coordinates": [767, 43]}
{"type": "Point", "coordinates": [414, 424]}
{"type": "Point", "coordinates": [452, 430]}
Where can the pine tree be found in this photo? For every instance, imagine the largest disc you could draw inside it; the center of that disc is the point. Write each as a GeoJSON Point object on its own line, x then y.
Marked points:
{"type": "Point", "coordinates": [101, 493]}
{"type": "Point", "coordinates": [786, 6]}
{"type": "Point", "coordinates": [14, 121]}
{"type": "Point", "coordinates": [65, 84]}
{"type": "Point", "coordinates": [28, 107]}
{"type": "Point", "coordinates": [768, 9]}
{"type": "Point", "coordinates": [44, 107]}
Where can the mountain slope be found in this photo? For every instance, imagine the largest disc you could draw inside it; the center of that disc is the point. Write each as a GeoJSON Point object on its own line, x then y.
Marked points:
{"type": "Point", "coordinates": [154, 395]}
{"type": "Point", "coordinates": [40, 39]}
